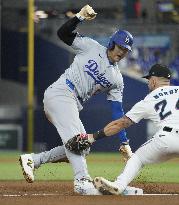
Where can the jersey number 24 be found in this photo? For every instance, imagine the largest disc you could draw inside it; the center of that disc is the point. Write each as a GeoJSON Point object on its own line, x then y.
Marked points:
{"type": "Point", "coordinates": [161, 106]}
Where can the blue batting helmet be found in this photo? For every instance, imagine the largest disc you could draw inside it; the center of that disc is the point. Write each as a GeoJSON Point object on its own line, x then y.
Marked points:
{"type": "Point", "coordinates": [122, 38]}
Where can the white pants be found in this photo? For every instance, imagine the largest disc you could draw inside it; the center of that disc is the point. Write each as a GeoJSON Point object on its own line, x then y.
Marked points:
{"type": "Point", "coordinates": [163, 146]}
{"type": "Point", "coordinates": [62, 110]}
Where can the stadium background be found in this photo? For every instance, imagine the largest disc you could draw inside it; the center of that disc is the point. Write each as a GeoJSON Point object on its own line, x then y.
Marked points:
{"type": "Point", "coordinates": [154, 25]}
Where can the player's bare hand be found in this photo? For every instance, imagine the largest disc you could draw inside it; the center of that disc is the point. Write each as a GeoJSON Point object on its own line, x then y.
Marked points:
{"type": "Point", "coordinates": [87, 13]}
{"type": "Point", "coordinates": [126, 151]}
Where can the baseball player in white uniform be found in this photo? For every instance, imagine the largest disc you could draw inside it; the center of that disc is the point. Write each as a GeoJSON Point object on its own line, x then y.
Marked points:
{"type": "Point", "coordinates": [161, 106]}
{"type": "Point", "coordinates": [94, 70]}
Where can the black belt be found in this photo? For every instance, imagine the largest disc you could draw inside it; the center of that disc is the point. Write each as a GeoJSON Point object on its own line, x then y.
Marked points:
{"type": "Point", "coordinates": [169, 129]}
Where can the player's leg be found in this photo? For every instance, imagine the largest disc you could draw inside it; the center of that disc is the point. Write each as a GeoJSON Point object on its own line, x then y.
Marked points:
{"type": "Point", "coordinates": [154, 150]}
{"type": "Point", "coordinates": [66, 120]}
{"type": "Point", "coordinates": [162, 147]}
{"type": "Point", "coordinates": [144, 155]}
{"type": "Point", "coordinates": [120, 185]}
{"type": "Point", "coordinates": [81, 184]}
{"type": "Point", "coordinates": [30, 162]}
{"type": "Point", "coordinates": [57, 154]}
{"type": "Point", "coordinates": [141, 157]}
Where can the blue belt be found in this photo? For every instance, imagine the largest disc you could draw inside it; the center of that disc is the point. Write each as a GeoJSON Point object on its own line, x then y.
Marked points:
{"type": "Point", "coordinates": [70, 84]}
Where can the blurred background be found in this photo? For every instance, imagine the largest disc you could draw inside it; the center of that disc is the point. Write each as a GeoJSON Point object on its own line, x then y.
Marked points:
{"type": "Point", "coordinates": [26, 71]}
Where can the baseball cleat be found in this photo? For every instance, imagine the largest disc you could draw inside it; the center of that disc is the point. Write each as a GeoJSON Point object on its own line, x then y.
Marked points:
{"type": "Point", "coordinates": [112, 188]}
{"type": "Point", "coordinates": [85, 186]}
{"type": "Point", "coordinates": [27, 165]}
{"type": "Point", "coordinates": [107, 187]}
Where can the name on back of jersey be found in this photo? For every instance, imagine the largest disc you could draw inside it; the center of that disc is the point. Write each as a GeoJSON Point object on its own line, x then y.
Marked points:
{"type": "Point", "coordinates": [165, 93]}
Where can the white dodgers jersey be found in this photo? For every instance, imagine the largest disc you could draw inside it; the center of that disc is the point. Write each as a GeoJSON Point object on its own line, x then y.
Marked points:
{"type": "Point", "coordinates": [161, 106]}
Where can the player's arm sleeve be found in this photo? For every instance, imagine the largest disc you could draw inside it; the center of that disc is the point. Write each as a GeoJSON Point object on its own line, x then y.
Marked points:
{"type": "Point", "coordinates": [78, 42]}
{"type": "Point", "coordinates": [117, 112]}
{"type": "Point", "coordinates": [66, 32]}
{"type": "Point", "coordinates": [116, 92]}
{"type": "Point", "coordinates": [138, 111]}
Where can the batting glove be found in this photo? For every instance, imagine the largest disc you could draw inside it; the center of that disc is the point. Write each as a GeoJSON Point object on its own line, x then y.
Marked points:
{"type": "Point", "coordinates": [86, 13]}
{"type": "Point", "coordinates": [126, 151]}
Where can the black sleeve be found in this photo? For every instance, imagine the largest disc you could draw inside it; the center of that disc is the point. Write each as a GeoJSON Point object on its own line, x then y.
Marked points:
{"type": "Point", "coordinates": [66, 31]}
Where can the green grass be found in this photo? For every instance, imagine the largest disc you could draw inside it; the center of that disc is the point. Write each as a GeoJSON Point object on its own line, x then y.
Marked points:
{"type": "Point", "coordinates": [108, 165]}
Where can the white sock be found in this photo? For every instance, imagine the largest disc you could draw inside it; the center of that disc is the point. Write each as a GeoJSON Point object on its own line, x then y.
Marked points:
{"type": "Point", "coordinates": [130, 171]}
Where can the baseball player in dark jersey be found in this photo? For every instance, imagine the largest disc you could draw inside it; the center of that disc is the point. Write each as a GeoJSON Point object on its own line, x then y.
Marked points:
{"type": "Point", "coordinates": [94, 70]}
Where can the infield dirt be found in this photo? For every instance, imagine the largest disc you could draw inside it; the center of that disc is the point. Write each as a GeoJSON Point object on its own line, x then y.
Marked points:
{"type": "Point", "coordinates": [61, 192]}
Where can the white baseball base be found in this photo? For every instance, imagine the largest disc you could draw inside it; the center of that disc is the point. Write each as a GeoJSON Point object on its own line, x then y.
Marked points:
{"type": "Point", "coordinates": [132, 191]}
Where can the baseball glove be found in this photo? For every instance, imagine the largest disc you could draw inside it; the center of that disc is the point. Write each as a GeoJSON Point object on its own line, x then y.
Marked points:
{"type": "Point", "coordinates": [86, 13]}
{"type": "Point", "coordinates": [78, 144]}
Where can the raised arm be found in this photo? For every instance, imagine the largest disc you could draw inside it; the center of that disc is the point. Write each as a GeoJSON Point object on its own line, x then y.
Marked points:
{"type": "Point", "coordinates": [67, 31]}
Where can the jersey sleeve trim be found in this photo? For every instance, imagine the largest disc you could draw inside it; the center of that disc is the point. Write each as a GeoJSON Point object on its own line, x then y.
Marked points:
{"type": "Point", "coordinates": [130, 119]}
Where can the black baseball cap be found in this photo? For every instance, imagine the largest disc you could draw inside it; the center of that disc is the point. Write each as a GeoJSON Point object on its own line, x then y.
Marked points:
{"type": "Point", "coordinates": [159, 70]}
